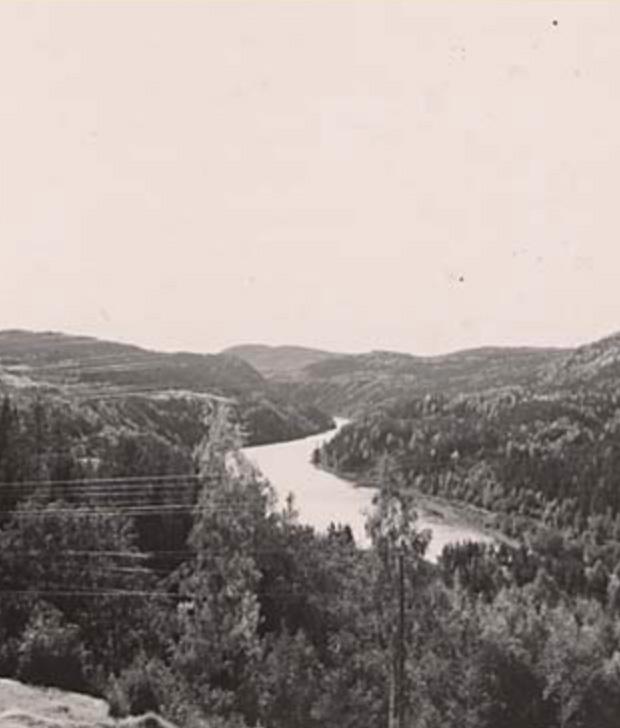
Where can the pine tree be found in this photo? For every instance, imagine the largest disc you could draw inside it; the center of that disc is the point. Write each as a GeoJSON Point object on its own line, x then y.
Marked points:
{"type": "Point", "coordinates": [219, 640]}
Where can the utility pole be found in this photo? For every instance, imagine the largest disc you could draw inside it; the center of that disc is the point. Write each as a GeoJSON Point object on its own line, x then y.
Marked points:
{"type": "Point", "coordinates": [393, 534]}
{"type": "Point", "coordinates": [396, 697]}
{"type": "Point", "coordinates": [392, 695]}
{"type": "Point", "coordinates": [401, 643]}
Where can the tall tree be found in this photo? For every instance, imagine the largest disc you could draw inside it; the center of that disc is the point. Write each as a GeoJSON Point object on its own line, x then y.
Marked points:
{"type": "Point", "coordinates": [399, 547]}
{"type": "Point", "coordinates": [219, 640]}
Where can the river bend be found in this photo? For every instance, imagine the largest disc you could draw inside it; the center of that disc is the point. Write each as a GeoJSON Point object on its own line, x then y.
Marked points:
{"type": "Point", "coordinates": [322, 498]}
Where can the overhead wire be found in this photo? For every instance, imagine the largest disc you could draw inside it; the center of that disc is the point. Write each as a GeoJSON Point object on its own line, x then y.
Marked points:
{"type": "Point", "coordinates": [284, 590]}
{"type": "Point", "coordinates": [82, 512]}
{"type": "Point", "coordinates": [146, 555]}
{"type": "Point", "coordinates": [173, 487]}
{"type": "Point", "coordinates": [98, 593]}
{"type": "Point", "coordinates": [119, 487]}
{"type": "Point", "coordinates": [112, 479]}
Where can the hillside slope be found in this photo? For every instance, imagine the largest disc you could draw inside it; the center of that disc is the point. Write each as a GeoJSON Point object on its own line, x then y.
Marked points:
{"type": "Point", "coordinates": [85, 363]}
{"type": "Point", "coordinates": [350, 384]}
{"type": "Point", "coordinates": [279, 361]}
{"type": "Point", "coordinates": [353, 384]}
{"type": "Point", "coordinates": [84, 369]}
{"type": "Point", "coordinates": [546, 453]}
{"type": "Point", "coordinates": [596, 365]}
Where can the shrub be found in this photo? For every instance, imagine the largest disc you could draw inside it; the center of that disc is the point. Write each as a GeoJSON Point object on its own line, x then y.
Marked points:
{"type": "Point", "coordinates": [51, 652]}
{"type": "Point", "coordinates": [149, 686]}
{"type": "Point", "coordinates": [8, 656]}
{"type": "Point", "coordinates": [139, 689]}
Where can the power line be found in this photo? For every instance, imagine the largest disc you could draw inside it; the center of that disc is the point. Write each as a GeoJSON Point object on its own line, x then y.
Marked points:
{"type": "Point", "coordinates": [60, 491]}
{"type": "Point", "coordinates": [62, 389]}
{"type": "Point", "coordinates": [145, 555]}
{"type": "Point", "coordinates": [107, 554]}
{"type": "Point", "coordinates": [284, 590]}
{"type": "Point", "coordinates": [129, 510]}
{"type": "Point", "coordinates": [157, 391]}
{"type": "Point", "coordinates": [113, 479]}
{"type": "Point", "coordinates": [105, 499]}
{"type": "Point", "coordinates": [91, 593]}
{"type": "Point", "coordinates": [119, 489]}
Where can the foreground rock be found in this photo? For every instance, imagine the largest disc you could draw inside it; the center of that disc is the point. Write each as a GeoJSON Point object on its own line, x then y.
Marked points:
{"type": "Point", "coordinates": [24, 706]}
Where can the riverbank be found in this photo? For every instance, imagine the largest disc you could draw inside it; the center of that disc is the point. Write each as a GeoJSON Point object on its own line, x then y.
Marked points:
{"type": "Point", "coordinates": [457, 513]}
{"type": "Point", "coordinates": [322, 497]}
{"type": "Point", "coordinates": [437, 510]}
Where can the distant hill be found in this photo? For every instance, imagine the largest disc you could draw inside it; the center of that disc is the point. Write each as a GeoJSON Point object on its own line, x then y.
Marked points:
{"type": "Point", "coordinates": [351, 383]}
{"type": "Point", "coordinates": [595, 364]}
{"type": "Point", "coordinates": [55, 359]}
{"type": "Point", "coordinates": [85, 368]}
{"type": "Point", "coordinates": [283, 391]}
{"type": "Point", "coordinates": [279, 361]}
{"type": "Point", "coordinates": [544, 451]}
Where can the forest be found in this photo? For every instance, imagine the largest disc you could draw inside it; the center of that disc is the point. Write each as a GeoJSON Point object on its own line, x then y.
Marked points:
{"type": "Point", "coordinates": [121, 384]}
{"type": "Point", "coordinates": [151, 571]}
{"type": "Point", "coordinates": [541, 467]}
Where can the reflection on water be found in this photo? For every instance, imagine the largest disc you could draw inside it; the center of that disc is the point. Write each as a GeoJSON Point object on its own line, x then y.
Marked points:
{"type": "Point", "coordinates": [322, 498]}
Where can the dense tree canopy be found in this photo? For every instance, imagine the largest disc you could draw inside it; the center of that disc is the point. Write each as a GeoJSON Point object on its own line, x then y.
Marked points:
{"type": "Point", "coordinates": [206, 603]}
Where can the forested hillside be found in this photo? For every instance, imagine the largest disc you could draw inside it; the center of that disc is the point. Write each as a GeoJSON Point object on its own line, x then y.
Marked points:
{"type": "Point", "coordinates": [594, 365]}
{"type": "Point", "coordinates": [191, 596]}
{"type": "Point", "coordinates": [350, 384]}
{"type": "Point", "coordinates": [87, 370]}
{"type": "Point", "coordinates": [541, 463]}
{"type": "Point", "coordinates": [144, 561]}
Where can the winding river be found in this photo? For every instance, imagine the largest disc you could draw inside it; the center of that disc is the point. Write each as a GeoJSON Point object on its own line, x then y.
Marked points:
{"type": "Point", "coordinates": [321, 498]}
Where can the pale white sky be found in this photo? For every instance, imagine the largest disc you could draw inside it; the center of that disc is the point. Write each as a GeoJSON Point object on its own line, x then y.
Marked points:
{"type": "Point", "coordinates": [195, 175]}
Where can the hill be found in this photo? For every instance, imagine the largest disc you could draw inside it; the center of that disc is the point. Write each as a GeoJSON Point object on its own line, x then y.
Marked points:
{"type": "Point", "coordinates": [279, 361]}
{"type": "Point", "coordinates": [596, 364]}
{"type": "Point", "coordinates": [352, 384]}
{"type": "Point", "coordinates": [541, 454]}
{"type": "Point", "coordinates": [80, 362]}
{"type": "Point", "coordinates": [311, 615]}
{"type": "Point", "coordinates": [81, 368]}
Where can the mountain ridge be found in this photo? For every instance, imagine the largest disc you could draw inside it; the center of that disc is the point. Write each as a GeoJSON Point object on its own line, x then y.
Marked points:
{"type": "Point", "coordinates": [348, 384]}
{"type": "Point", "coordinates": [271, 378]}
{"type": "Point", "coordinates": [89, 369]}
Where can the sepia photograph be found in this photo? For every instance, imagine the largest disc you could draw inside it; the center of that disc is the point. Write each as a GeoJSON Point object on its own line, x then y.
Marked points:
{"type": "Point", "coordinates": [309, 364]}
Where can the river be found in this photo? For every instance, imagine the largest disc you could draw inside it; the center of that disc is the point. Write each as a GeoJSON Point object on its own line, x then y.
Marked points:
{"type": "Point", "coordinates": [321, 498]}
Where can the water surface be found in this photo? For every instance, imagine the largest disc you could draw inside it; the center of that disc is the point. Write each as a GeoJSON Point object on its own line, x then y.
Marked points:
{"type": "Point", "coordinates": [322, 498]}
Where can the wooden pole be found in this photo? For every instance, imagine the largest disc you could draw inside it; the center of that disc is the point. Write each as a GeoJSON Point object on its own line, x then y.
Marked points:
{"type": "Point", "coordinates": [392, 692]}
{"type": "Point", "coordinates": [401, 643]}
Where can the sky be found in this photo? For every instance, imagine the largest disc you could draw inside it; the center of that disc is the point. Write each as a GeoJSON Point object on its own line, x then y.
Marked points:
{"type": "Point", "coordinates": [417, 176]}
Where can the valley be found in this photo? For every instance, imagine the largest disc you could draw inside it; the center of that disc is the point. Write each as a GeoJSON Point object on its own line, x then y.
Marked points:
{"type": "Point", "coordinates": [321, 498]}
{"type": "Point", "coordinates": [138, 567]}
